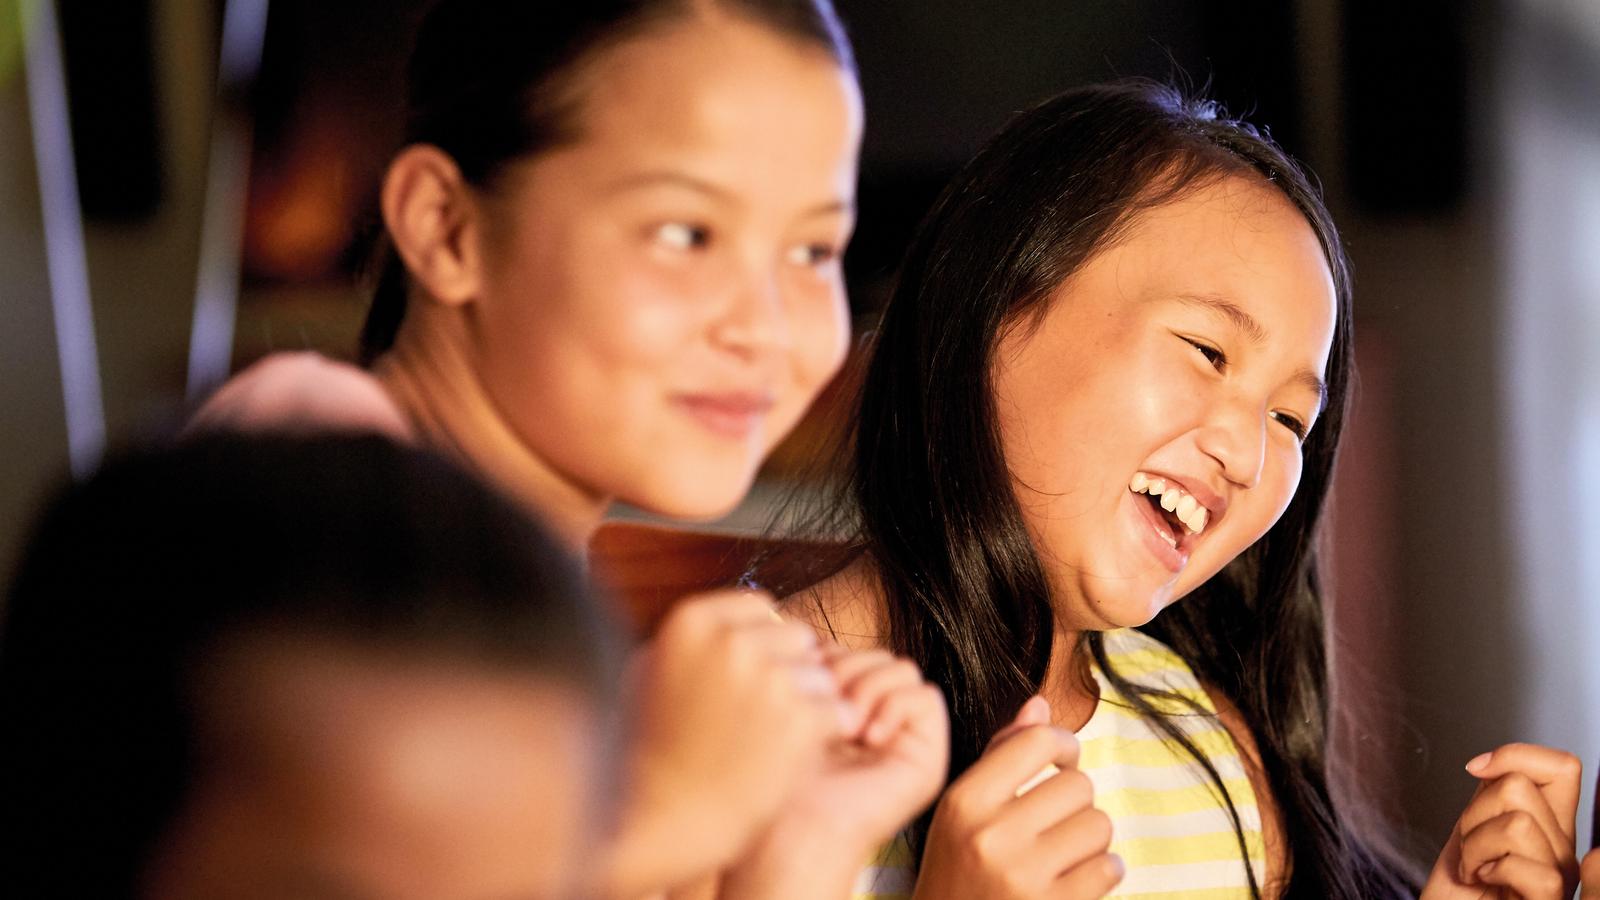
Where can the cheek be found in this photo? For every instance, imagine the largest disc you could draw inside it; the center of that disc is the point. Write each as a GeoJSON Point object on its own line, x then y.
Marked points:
{"type": "Point", "coordinates": [608, 323]}
{"type": "Point", "coordinates": [820, 329]}
{"type": "Point", "coordinates": [1279, 482]}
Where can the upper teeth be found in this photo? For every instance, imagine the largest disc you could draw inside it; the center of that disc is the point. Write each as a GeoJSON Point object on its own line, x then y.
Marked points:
{"type": "Point", "coordinates": [1174, 499]}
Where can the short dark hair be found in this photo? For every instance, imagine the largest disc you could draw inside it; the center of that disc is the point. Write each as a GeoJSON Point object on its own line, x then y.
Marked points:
{"type": "Point", "coordinates": [137, 578]}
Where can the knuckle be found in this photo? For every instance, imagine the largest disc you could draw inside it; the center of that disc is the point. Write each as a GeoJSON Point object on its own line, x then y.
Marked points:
{"type": "Point", "coordinates": [1078, 785]}
{"type": "Point", "coordinates": [958, 803]}
{"type": "Point", "coordinates": [1510, 786]}
{"type": "Point", "coordinates": [905, 668]}
{"type": "Point", "coordinates": [1519, 825]}
{"type": "Point", "coordinates": [986, 846]}
{"type": "Point", "coordinates": [797, 631]}
{"type": "Point", "coordinates": [1037, 739]}
{"type": "Point", "coordinates": [1097, 825]}
{"type": "Point", "coordinates": [1568, 765]}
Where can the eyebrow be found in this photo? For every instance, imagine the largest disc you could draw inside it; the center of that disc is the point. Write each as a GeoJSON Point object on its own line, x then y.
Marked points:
{"type": "Point", "coordinates": [708, 189]}
{"type": "Point", "coordinates": [1227, 309]}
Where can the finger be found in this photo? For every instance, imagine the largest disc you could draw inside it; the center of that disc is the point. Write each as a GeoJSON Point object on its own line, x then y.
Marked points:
{"type": "Point", "coordinates": [1079, 838]}
{"type": "Point", "coordinates": [995, 777]}
{"type": "Point", "coordinates": [1510, 833]}
{"type": "Point", "coordinates": [788, 642]}
{"type": "Point", "coordinates": [855, 663]}
{"type": "Point", "coordinates": [871, 688]}
{"type": "Point", "coordinates": [1090, 878]}
{"type": "Point", "coordinates": [1515, 792]}
{"type": "Point", "coordinates": [864, 677]}
{"type": "Point", "coordinates": [1591, 874]}
{"type": "Point", "coordinates": [815, 681]}
{"type": "Point", "coordinates": [711, 617]}
{"type": "Point", "coordinates": [1558, 774]}
{"type": "Point", "coordinates": [915, 709]}
{"type": "Point", "coordinates": [1526, 878]}
{"type": "Point", "coordinates": [1034, 712]}
{"type": "Point", "coordinates": [1053, 801]}
{"type": "Point", "coordinates": [733, 606]}
{"type": "Point", "coordinates": [814, 694]}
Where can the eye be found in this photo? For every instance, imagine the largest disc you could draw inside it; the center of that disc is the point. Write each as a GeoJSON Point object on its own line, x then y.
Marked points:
{"type": "Point", "coordinates": [1292, 422]}
{"type": "Point", "coordinates": [811, 255]}
{"type": "Point", "coordinates": [682, 236]}
{"type": "Point", "coordinates": [1213, 356]}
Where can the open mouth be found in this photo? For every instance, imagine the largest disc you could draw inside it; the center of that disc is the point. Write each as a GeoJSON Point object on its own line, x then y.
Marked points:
{"type": "Point", "coordinates": [1178, 516]}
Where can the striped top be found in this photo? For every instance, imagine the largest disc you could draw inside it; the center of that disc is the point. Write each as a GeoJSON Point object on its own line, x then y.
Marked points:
{"type": "Point", "coordinates": [1169, 824]}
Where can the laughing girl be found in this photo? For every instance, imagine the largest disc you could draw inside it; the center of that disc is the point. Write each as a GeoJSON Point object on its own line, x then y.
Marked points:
{"type": "Point", "coordinates": [1096, 433]}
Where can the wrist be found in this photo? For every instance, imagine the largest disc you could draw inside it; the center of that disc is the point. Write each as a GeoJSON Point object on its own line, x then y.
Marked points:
{"type": "Point", "coordinates": [791, 861]}
{"type": "Point", "coordinates": [663, 839]}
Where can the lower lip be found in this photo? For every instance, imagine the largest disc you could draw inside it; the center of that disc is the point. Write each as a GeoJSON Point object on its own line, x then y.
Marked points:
{"type": "Point", "coordinates": [1151, 526]}
{"type": "Point", "coordinates": [724, 420]}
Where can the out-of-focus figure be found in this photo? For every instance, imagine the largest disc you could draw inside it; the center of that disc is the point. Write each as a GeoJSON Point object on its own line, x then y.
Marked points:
{"type": "Point", "coordinates": [280, 667]}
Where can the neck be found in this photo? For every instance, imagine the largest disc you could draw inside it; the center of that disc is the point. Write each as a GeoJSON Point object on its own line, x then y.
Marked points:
{"type": "Point", "coordinates": [1068, 686]}
{"type": "Point", "coordinates": [430, 373]}
{"type": "Point", "coordinates": [850, 606]}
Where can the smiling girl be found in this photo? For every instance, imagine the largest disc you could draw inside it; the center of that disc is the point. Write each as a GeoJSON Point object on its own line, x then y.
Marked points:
{"type": "Point", "coordinates": [1096, 433]}
{"type": "Point", "coordinates": [616, 230]}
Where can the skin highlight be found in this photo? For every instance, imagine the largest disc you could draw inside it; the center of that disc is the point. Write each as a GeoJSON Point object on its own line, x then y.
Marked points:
{"type": "Point", "coordinates": [643, 313]}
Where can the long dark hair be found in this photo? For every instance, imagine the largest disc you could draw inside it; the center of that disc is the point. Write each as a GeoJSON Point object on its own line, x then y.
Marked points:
{"type": "Point", "coordinates": [139, 579]}
{"type": "Point", "coordinates": [491, 82]}
{"type": "Point", "coordinates": [929, 500]}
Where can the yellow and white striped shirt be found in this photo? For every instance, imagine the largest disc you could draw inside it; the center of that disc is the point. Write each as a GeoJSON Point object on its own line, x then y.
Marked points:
{"type": "Point", "coordinates": [1169, 824]}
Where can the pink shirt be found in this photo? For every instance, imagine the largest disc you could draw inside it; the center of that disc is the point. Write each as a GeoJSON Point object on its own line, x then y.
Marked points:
{"type": "Point", "coordinates": [303, 392]}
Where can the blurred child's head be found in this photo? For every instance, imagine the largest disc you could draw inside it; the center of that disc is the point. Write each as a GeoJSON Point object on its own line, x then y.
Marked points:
{"type": "Point", "coordinates": [287, 667]}
{"type": "Point", "coordinates": [629, 216]}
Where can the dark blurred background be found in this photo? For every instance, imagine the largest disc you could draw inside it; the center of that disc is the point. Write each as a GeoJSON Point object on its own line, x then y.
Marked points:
{"type": "Point", "coordinates": [224, 207]}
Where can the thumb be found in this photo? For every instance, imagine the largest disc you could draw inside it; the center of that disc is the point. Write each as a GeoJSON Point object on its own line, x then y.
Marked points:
{"type": "Point", "coordinates": [1591, 875]}
{"type": "Point", "coordinates": [1035, 712]}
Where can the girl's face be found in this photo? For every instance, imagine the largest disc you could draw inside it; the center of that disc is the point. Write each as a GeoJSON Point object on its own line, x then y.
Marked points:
{"type": "Point", "coordinates": [663, 296]}
{"type": "Point", "coordinates": [1183, 364]}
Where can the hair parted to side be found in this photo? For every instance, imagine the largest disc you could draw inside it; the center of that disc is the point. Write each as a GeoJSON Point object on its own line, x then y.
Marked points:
{"type": "Point", "coordinates": [929, 502]}
{"type": "Point", "coordinates": [491, 82]}
{"type": "Point", "coordinates": [166, 561]}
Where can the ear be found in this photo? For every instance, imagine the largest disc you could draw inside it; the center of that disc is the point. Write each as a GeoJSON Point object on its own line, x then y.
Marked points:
{"type": "Point", "coordinates": [434, 221]}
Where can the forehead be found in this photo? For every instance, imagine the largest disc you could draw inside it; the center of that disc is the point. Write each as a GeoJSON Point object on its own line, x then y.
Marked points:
{"type": "Point", "coordinates": [726, 97]}
{"type": "Point", "coordinates": [1237, 238]}
{"type": "Point", "coordinates": [381, 778]}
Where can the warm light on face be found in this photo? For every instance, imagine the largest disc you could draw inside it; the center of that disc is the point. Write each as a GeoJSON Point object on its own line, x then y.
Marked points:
{"type": "Point", "coordinates": [664, 296]}
{"type": "Point", "coordinates": [334, 773]}
{"type": "Point", "coordinates": [1152, 422]}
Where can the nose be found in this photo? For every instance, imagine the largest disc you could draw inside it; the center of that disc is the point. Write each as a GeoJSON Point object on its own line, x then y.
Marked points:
{"type": "Point", "coordinates": [755, 319]}
{"type": "Point", "coordinates": [1236, 437]}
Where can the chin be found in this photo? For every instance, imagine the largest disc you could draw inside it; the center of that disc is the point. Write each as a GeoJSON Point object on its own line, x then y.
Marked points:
{"type": "Point", "coordinates": [1121, 610]}
{"type": "Point", "coordinates": [707, 503]}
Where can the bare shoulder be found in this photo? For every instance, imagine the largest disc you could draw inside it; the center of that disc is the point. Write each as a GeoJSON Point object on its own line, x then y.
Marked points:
{"type": "Point", "coordinates": [846, 607]}
{"type": "Point", "coordinates": [1271, 823]}
{"type": "Point", "coordinates": [303, 392]}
